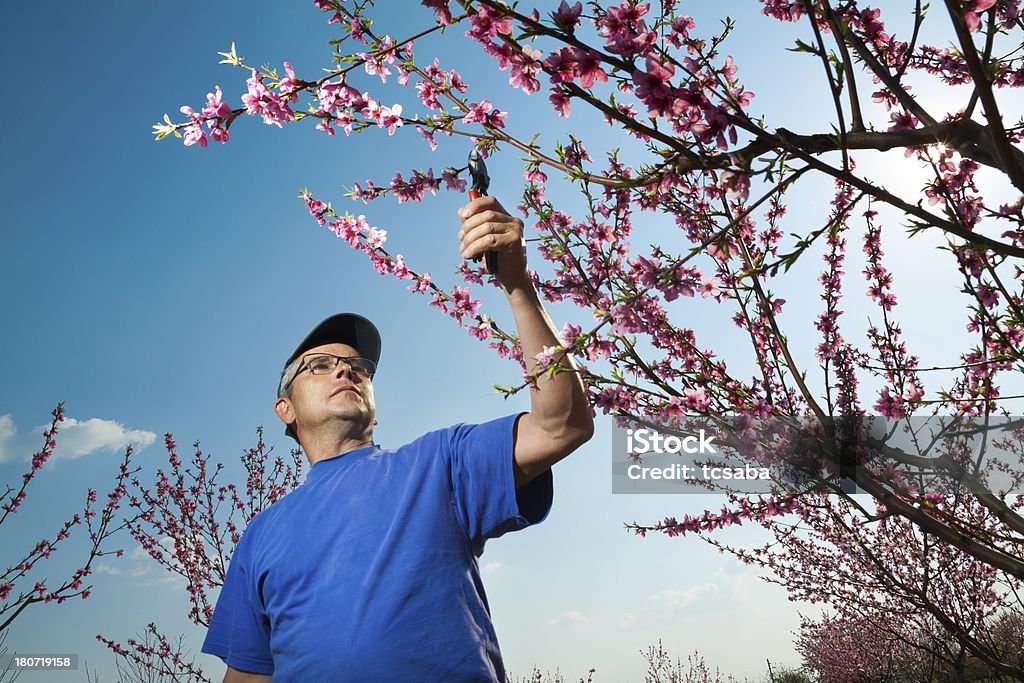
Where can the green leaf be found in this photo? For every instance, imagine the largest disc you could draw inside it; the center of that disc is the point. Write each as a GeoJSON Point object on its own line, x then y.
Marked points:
{"type": "Point", "coordinates": [801, 46]}
{"type": "Point", "coordinates": [231, 57]}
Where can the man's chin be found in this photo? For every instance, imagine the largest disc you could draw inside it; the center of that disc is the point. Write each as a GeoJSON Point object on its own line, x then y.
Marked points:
{"type": "Point", "coordinates": [351, 415]}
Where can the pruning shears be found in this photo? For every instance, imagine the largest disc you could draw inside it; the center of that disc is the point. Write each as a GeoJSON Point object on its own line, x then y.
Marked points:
{"type": "Point", "coordinates": [481, 181]}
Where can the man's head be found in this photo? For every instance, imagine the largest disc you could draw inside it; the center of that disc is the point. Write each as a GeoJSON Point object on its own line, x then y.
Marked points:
{"type": "Point", "coordinates": [326, 382]}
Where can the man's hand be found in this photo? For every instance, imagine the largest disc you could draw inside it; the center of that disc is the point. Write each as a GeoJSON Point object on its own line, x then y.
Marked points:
{"type": "Point", "coordinates": [486, 226]}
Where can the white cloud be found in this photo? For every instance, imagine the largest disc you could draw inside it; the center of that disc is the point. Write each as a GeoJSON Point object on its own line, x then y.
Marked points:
{"type": "Point", "coordinates": [490, 567]}
{"type": "Point", "coordinates": [668, 601]}
{"type": "Point", "coordinates": [133, 572]}
{"type": "Point", "coordinates": [7, 431]}
{"type": "Point", "coordinates": [75, 438]}
{"type": "Point", "coordinates": [575, 617]}
{"type": "Point", "coordinates": [627, 620]}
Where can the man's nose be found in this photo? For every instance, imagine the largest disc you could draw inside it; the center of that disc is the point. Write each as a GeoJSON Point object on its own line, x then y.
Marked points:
{"type": "Point", "coordinates": [343, 368]}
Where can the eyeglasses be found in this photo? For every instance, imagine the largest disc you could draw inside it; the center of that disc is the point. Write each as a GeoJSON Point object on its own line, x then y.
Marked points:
{"type": "Point", "coordinates": [325, 363]}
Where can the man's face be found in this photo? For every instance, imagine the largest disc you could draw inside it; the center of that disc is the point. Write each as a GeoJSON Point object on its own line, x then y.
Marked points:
{"type": "Point", "coordinates": [341, 394]}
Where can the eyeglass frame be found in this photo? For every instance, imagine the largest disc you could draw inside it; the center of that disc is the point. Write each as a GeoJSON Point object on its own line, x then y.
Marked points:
{"type": "Point", "coordinates": [337, 359]}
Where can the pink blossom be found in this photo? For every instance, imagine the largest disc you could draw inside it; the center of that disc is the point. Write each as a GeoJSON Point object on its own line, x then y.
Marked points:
{"type": "Point", "coordinates": [332, 95]}
{"type": "Point", "coordinates": [194, 133]}
{"type": "Point", "coordinates": [902, 120]}
{"type": "Point", "coordinates": [375, 237]}
{"type": "Point", "coordinates": [355, 29]}
{"type": "Point", "coordinates": [487, 23]}
{"type": "Point", "coordinates": [415, 188]}
{"type": "Point", "coordinates": [783, 10]}
{"type": "Point", "coordinates": [560, 101]}
{"type": "Point", "coordinates": [545, 358]}
{"type": "Point", "coordinates": [344, 119]}
{"type": "Point", "coordinates": [483, 331]}
{"type": "Point", "coordinates": [696, 400]}
{"type": "Point", "coordinates": [441, 9]}
{"type": "Point", "coordinates": [988, 296]}
{"type": "Point", "coordinates": [645, 271]}
{"type": "Point", "coordinates": [568, 64]}
{"type": "Point", "coordinates": [316, 208]}
{"type": "Point", "coordinates": [215, 106]}
{"type": "Point", "coordinates": [289, 83]}
{"type": "Point", "coordinates": [400, 270]}
{"type": "Point", "coordinates": [624, 30]}
{"type": "Point", "coordinates": [325, 126]}
{"type": "Point", "coordinates": [464, 304]}
{"type": "Point", "coordinates": [266, 103]}
{"type": "Point", "coordinates": [708, 287]}
{"type": "Point", "coordinates": [735, 185]}
{"type": "Point", "coordinates": [376, 62]}
{"type": "Point", "coordinates": [567, 16]}
{"type": "Point", "coordinates": [455, 82]}
{"type": "Point", "coordinates": [889, 405]}
{"type": "Point", "coordinates": [390, 118]}
{"type": "Point", "coordinates": [485, 113]}
{"type": "Point", "coordinates": [422, 283]}
{"type": "Point", "coordinates": [681, 27]}
{"type": "Point", "coordinates": [616, 399]}
{"type": "Point", "coordinates": [559, 65]}
{"type": "Point", "coordinates": [428, 135]}
{"type": "Point", "coordinates": [654, 87]}
{"type": "Point", "coordinates": [501, 52]}
{"type": "Point", "coordinates": [971, 10]}
{"type": "Point", "coordinates": [523, 74]}
{"type": "Point", "coordinates": [625, 320]}
{"type": "Point", "coordinates": [453, 181]}
{"type": "Point", "coordinates": [219, 134]}
{"type": "Point", "coordinates": [535, 175]}
{"type": "Point", "coordinates": [428, 92]}
{"type": "Point", "coordinates": [867, 20]}
{"type": "Point", "coordinates": [371, 192]}
{"type": "Point", "coordinates": [588, 67]}
{"type": "Point", "coordinates": [346, 229]}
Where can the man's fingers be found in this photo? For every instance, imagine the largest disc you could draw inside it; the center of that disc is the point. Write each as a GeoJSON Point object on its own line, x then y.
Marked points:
{"type": "Point", "coordinates": [511, 227]}
{"type": "Point", "coordinates": [481, 204]}
{"type": "Point", "coordinates": [492, 241]}
{"type": "Point", "coordinates": [488, 216]}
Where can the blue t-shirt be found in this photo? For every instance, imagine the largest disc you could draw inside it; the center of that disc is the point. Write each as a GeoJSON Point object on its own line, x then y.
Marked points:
{"type": "Point", "coordinates": [368, 571]}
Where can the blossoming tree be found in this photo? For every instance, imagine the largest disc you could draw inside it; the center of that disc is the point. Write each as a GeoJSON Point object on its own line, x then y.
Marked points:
{"type": "Point", "coordinates": [30, 566]}
{"type": "Point", "coordinates": [189, 523]}
{"type": "Point", "coordinates": [697, 154]}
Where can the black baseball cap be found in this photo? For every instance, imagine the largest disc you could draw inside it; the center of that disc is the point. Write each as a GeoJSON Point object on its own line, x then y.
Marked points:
{"type": "Point", "coordinates": [341, 328]}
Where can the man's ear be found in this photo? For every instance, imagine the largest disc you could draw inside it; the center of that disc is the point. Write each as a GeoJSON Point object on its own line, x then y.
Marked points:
{"type": "Point", "coordinates": [284, 410]}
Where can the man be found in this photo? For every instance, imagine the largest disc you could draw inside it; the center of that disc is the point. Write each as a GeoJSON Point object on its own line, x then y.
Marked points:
{"type": "Point", "coordinates": [368, 571]}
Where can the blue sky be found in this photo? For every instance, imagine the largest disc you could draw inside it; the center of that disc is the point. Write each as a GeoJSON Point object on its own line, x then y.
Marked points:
{"type": "Point", "coordinates": [155, 288]}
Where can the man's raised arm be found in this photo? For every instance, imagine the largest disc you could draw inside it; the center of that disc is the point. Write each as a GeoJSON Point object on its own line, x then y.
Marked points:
{"type": "Point", "coordinates": [560, 419]}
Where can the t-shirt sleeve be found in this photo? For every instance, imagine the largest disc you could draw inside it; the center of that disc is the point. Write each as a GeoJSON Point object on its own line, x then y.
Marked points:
{"type": "Point", "coordinates": [483, 481]}
{"type": "Point", "coordinates": [239, 631]}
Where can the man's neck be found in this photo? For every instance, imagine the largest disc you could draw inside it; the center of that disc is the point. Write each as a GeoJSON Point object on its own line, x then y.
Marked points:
{"type": "Point", "coordinates": [317, 449]}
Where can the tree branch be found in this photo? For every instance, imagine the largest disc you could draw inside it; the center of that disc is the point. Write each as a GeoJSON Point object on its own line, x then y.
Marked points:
{"type": "Point", "coordinates": [1003, 148]}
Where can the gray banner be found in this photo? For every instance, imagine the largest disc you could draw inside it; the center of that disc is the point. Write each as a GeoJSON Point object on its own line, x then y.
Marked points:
{"type": "Point", "coordinates": [859, 454]}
